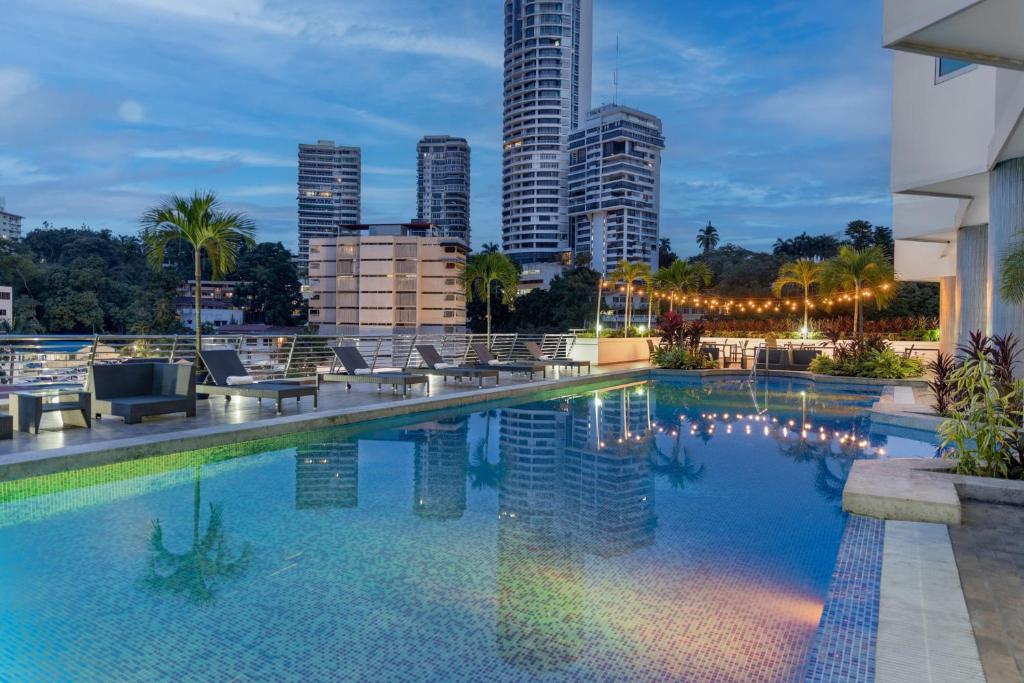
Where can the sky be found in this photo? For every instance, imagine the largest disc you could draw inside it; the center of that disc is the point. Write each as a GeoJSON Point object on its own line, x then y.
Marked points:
{"type": "Point", "coordinates": [776, 114]}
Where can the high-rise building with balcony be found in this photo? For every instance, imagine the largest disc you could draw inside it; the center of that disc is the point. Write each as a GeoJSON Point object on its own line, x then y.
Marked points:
{"type": "Point", "coordinates": [958, 155]}
{"type": "Point", "coordinates": [442, 184]}
{"type": "Point", "coordinates": [10, 224]}
{"type": "Point", "coordinates": [329, 191]}
{"type": "Point", "coordinates": [615, 187]}
{"type": "Point", "coordinates": [547, 89]}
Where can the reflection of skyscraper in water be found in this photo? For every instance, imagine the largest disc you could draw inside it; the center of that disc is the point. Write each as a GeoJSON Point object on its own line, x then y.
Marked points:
{"type": "Point", "coordinates": [442, 454]}
{"type": "Point", "coordinates": [327, 475]}
{"type": "Point", "coordinates": [607, 485]}
{"type": "Point", "coordinates": [539, 572]}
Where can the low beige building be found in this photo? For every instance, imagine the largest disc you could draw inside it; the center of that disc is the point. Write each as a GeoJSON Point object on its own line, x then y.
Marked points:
{"type": "Point", "coordinates": [387, 279]}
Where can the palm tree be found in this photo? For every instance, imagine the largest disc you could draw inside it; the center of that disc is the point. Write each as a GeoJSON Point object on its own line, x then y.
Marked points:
{"type": "Point", "coordinates": [682, 277]}
{"type": "Point", "coordinates": [707, 238]}
{"type": "Point", "coordinates": [196, 571]}
{"type": "Point", "coordinates": [200, 221]}
{"type": "Point", "coordinates": [804, 273]}
{"type": "Point", "coordinates": [630, 273]}
{"type": "Point", "coordinates": [489, 248]}
{"type": "Point", "coordinates": [1012, 287]}
{"type": "Point", "coordinates": [485, 270]}
{"type": "Point", "coordinates": [859, 270]}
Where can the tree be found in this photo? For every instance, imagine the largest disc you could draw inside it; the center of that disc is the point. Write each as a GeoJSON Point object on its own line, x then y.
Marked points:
{"type": "Point", "coordinates": [484, 272]}
{"type": "Point", "coordinates": [630, 273]}
{"type": "Point", "coordinates": [568, 303]}
{"type": "Point", "coordinates": [682, 277]}
{"type": "Point", "coordinates": [1012, 272]}
{"type": "Point", "coordinates": [805, 246]}
{"type": "Point", "coordinates": [882, 237]}
{"type": "Point", "coordinates": [666, 257]}
{"type": "Point", "coordinates": [707, 238]}
{"type": "Point", "coordinates": [200, 222]}
{"type": "Point", "coordinates": [803, 273]}
{"type": "Point", "coordinates": [269, 288]}
{"type": "Point", "coordinates": [861, 234]}
{"type": "Point", "coordinates": [859, 270]}
{"type": "Point", "coordinates": [490, 248]}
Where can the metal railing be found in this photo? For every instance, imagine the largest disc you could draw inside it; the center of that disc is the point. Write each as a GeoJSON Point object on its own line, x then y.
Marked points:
{"type": "Point", "coordinates": [64, 360]}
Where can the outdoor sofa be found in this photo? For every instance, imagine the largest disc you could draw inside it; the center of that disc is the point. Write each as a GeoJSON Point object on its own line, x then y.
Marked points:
{"type": "Point", "coordinates": [357, 371]}
{"type": "Point", "coordinates": [488, 360]}
{"type": "Point", "coordinates": [436, 366]}
{"type": "Point", "coordinates": [230, 378]}
{"type": "Point", "coordinates": [137, 390]}
{"type": "Point", "coordinates": [539, 356]}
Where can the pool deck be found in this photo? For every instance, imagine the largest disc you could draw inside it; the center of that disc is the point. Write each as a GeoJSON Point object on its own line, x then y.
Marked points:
{"type": "Point", "coordinates": [218, 422]}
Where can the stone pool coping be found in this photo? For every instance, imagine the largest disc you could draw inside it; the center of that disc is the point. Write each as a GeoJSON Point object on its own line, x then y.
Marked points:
{"type": "Point", "coordinates": [81, 456]}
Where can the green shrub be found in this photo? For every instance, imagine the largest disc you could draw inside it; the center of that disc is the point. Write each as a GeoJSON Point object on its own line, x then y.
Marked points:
{"type": "Point", "coordinates": [680, 358]}
{"type": "Point", "coordinates": [879, 363]}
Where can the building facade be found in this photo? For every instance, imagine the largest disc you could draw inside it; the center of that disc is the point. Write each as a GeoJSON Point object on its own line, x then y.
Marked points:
{"type": "Point", "coordinates": [442, 184]}
{"type": "Point", "coordinates": [217, 313]}
{"type": "Point", "coordinates": [10, 224]}
{"type": "Point", "coordinates": [7, 306]}
{"type": "Point", "coordinates": [615, 187]}
{"type": "Point", "coordinates": [958, 155]}
{"type": "Point", "coordinates": [330, 187]}
{"type": "Point", "coordinates": [546, 91]}
{"type": "Point", "coordinates": [387, 279]}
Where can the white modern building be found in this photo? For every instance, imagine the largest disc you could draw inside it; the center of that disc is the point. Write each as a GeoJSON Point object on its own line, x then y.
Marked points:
{"type": "Point", "coordinates": [6, 306]}
{"type": "Point", "coordinates": [330, 181]}
{"type": "Point", "coordinates": [215, 312]}
{"type": "Point", "coordinates": [546, 91]}
{"type": "Point", "coordinates": [615, 187]}
{"type": "Point", "coordinates": [387, 279]}
{"type": "Point", "coordinates": [442, 184]}
{"type": "Point", "coordinates": [10, 224]}
{"type": "Point", "coordinates": [958, 154]}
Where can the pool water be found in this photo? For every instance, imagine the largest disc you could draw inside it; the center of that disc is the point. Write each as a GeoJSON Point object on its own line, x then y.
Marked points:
{"type": "Point", "coordinates": [656, 531]}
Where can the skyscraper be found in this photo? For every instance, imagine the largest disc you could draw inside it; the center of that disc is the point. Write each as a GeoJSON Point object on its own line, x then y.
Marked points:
{"type": "Point", "coordinates": [329, 191]}
{"type": "Point", "coordinates": [442, 184]}
{"type": "Point", "coordinates": [547, 87]}
{"type": "Point", "coordinates": [615, 187]}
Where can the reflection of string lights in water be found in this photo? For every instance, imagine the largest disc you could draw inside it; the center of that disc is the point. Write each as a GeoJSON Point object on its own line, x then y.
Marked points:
{"type": "Point", "coordinates": [788, 429]}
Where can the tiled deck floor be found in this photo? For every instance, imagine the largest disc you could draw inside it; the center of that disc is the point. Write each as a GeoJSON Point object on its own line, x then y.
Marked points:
{"type": "Point", "coordinates": [989, 550]}
{"type": "Point", "coordinates": [215, 412]}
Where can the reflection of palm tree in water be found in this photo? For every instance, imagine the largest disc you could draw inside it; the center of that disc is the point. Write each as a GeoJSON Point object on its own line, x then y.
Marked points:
{"type": "Point", "coordinates": [484, 474]}
{"type": "Point", "coordinates": [197, 571]}
{"type": "Point", "coordinates": [676, 468]}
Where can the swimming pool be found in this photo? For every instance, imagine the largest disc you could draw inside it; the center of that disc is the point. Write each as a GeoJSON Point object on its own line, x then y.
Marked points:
{"type": "Point", "coordinates": [658, 530]}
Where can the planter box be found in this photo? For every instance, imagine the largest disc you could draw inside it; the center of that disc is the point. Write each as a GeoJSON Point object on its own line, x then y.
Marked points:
{"type": "Point", "coordinates": [607, 351]}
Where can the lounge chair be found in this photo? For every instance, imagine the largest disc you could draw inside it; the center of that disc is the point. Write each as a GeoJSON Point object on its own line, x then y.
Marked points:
{"type": "Point", "coordinates": [230, 378]}
{"type": "Point", "coordinates": [358, 372]}
{"type": "Point", "coordinates": [800, 359]}
{"type": "Point", "coordinates": [487, 359]}
{"type": "Point", "coordinates": [538, 355]}
{"type": "Point", "coordinates": [437, 366]}
{"type": "Point", "coordinates": [768, 358]}
{"type": "Point", "coordinates": [139, 390]}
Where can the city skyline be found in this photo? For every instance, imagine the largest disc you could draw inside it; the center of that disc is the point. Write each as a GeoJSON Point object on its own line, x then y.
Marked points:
{"type": "Point", "coordinates": [766, 142]}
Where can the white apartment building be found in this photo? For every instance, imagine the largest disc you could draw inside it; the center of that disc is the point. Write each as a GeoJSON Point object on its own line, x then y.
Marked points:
{"type": "Point", "coordinates": [546, 90]}
{"type": "Point", "coordinates": [442, 184]}
{"type": "Point", "coordinates": [387, 279]}
{"type": "Point", "coordinates": [10, 224]}
{"type": "Point", "coordinates": [214, 312]}
{"type": "Point", "coordinates": [958, 154]}
{"type": "Point", "coordinates": [6, 306]}
{"type": "Point", "coordinates": [330, 181]}
{"type": "Point", "coordinates": [615, 187]}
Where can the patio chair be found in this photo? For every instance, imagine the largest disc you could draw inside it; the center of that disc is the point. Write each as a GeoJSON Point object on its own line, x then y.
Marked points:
{"type": "Point", "coordinates": [538, 355]}
{"type": "Point", "coordinates": [230, 378]}
{"type": "Point", "coordinates": [771, 358]}
{"type": "Point", "coordinates": [436, 366]}
{"type": "Point", "coordinates": [487, 359]}
{"type": "Point", "coordinates": [357, 371]}
{"type": "Point", "coordinates": [139, 390]}
{"type": "Point", "coordinates": [800, 359]}
{"type": "Point", "coordinates": [651, 350]}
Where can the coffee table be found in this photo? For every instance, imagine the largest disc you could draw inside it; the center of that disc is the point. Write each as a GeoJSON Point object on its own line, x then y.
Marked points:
{"type": "Point", "coordinates": [73, 406]}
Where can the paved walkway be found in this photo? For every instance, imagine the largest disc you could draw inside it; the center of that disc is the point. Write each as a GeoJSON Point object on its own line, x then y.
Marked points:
{"type": "Point", "coordinates": [989, 550]}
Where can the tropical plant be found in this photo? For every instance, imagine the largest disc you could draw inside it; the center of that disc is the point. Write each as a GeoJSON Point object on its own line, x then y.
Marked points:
{"type": "Point", "coordinates": [630, 273]}
{"type": "Point", "coordinates": [681, 358]}
{"type": "Point", "coordinates": [868, 356]}
{"type": "Point", "coordinates": [859, 271]}
{"type": "Point", "coordinates": [803, 273]}
{"type": "Point", "coordinates": [197, 571]}
{"type": "Point", "coordinates": [941, 383]}
{"type": "Point", "coordinates": [200, 222]}
{"type": "Point", "coordinates": [1012, 287]}
{"type": "Point", "coordinates": [483, 274]}
{"type": "Point", "coordinates": [707, 238]}
{"type": "Point", "coordinates": [682, 277]}
{"type": "Point", "coordinates": [490, 248]}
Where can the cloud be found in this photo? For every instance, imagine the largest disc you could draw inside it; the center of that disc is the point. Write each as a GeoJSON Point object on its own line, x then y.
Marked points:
{"type": "Point", "coordinates": [251, 14]}
{"type": "Point", "coordinates": [216, 155]}
{"type": "Point", "coordinates": [131, 111]}
{"type": "Point", "coordinates": [277, 190]}
{"type": "Point", "coordinates": [14, 83]}
{"type": "Point", "coordinates": [414, 41]}
{"type": "Point", "coordinates": [14, 171]}
{"type": "Point", "coordinates": [842, 107]}
{"type": "Point", "coordinates": [387, 170]}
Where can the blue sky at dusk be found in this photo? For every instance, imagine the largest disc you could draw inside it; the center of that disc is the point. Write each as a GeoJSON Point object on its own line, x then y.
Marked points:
{"type": "Point", "coordinates": [776, 113]}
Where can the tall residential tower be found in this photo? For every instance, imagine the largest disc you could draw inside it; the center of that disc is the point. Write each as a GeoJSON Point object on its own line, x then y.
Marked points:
{"type": "Point", "coordinates": [547, 88]}
{"type": "Point", "coordinates": [329, 191]}
{"type": "Point", "coordinates": [615, 187]}
{"type": "Point", "coordinates": [442, 184]}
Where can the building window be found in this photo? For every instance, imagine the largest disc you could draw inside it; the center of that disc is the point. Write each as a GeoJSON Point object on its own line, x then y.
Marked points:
{"type": "Point", "coordinates": [947, 68]}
